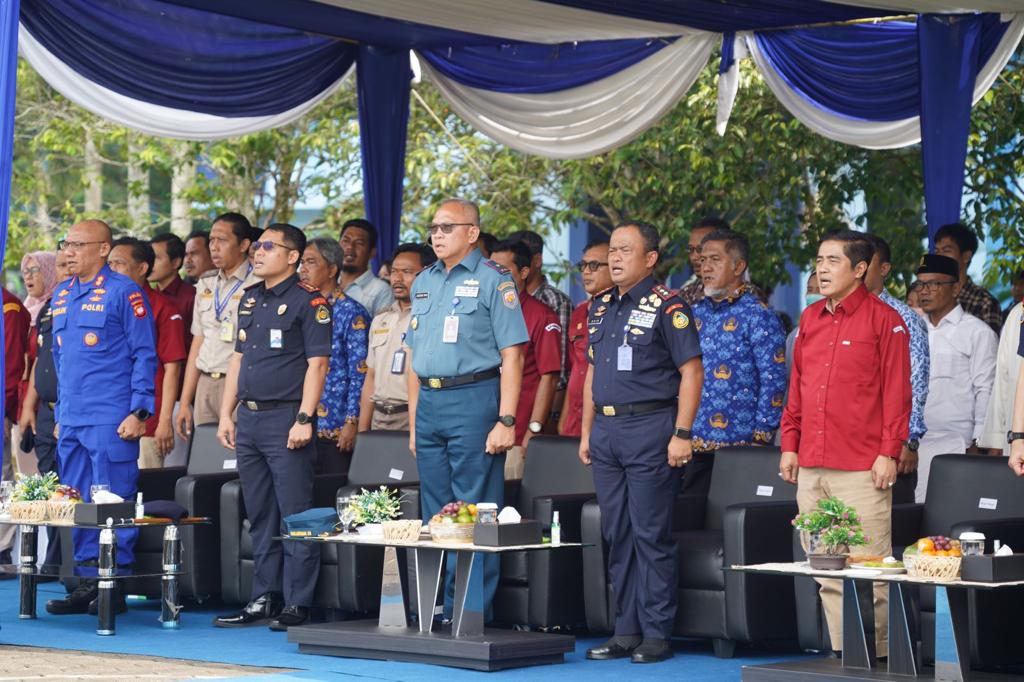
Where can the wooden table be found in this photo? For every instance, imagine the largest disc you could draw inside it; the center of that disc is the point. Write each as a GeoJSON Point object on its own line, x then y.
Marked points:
{"type": "Point", "coordinates": [465, 644]}
{"type": "Point", "coordinates": [858, 660]}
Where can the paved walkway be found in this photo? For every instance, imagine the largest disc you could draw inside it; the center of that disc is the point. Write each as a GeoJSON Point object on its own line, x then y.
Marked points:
{"type": "Point", "coordinates": [56, 665]}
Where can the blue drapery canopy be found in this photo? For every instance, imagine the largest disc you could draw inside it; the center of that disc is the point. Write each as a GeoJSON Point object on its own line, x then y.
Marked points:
{"type": "Point", "coordinates": [8, 85]}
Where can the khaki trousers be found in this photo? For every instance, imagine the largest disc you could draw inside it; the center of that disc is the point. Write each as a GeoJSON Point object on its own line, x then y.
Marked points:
{"type": "Point", "coordinates": [389, 422]}
{"type": "Point", "coordinates": [515, 462]}
{"type": "Point", "coordinates": [209, 392]}
{"type": "Point", "coordinates": [875, 509]}
{"type": "Point", "coordinates": [149, 457]}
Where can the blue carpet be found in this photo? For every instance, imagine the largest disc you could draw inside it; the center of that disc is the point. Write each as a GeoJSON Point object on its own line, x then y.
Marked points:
{"type": "Point", "coordinates": [139, 632]}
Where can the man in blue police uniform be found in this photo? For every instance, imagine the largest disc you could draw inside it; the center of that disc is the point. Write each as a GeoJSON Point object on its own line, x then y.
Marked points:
{"type": "Point", "coordinates": [466, 335]}
{"type": "Point", "coordinates": [639, 401]}
{"type": "Point", "coordinates": [105, 355]}
{"type": "Point", "coordinates": [277, 374]}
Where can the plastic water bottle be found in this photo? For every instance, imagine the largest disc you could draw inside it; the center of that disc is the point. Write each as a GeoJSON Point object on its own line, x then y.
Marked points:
{"type": "Point", "coordinates": [556, 530]}
{"type": "Point", "coordinates": [140, 509]}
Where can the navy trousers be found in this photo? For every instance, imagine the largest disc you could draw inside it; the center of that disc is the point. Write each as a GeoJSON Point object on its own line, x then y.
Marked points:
{"type": "Point", "coordinates": [451, 432]}
{"type": "Point", "coordinates": [88, 455]}
{"type": "Point", "coordinates": [635, 490]}
{"type": "Point", "coordinates": [276, 482]}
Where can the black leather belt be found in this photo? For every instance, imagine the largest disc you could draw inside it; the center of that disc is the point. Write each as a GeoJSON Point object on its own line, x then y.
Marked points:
{"type": "Point", "coordinates": [258, 405]}
{"type": "Point", "coordinates": [391, 408]}
{"type": "Point", "coordinates": [214, 375]}
{"type": "Point", "coordinates": [628, 409]}
{"type": "Point", "coordinates": [449, 382]}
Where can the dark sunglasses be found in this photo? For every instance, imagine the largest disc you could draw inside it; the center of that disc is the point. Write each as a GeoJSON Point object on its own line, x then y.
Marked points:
{"type": "Point", "coordinates": [268, 245]}
{"type": "Point", "coordinates": [592, 265]}
{"type": "Point", "coordinates": [447, 228]}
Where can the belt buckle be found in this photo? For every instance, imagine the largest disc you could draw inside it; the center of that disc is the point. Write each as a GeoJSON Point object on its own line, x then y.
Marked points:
{"type": "Point", "coordinates": [252, 405]}
{"type": "Point", "coordinates": [216, 375]}
{"type": "Point", "coordinates": [608, 410]}
{"type": "Point", "coordinates": [434, 382]}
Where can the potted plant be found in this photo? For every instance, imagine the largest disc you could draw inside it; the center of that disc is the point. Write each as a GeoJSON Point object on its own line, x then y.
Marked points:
{"type": "Point", "coordinates": [829, 530]}
{"type": "Point", "coordinates": [371, 508]}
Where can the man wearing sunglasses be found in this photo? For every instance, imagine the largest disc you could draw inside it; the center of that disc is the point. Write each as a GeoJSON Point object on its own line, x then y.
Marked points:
{"type": "Point", "coordinates": [962, 350]}
{"type": "Point", "coordinates": [275, 378]}
{"type": "Point", "coordinates": [466, 338]}
{"type": "Point", "coordinates": [596, 277]}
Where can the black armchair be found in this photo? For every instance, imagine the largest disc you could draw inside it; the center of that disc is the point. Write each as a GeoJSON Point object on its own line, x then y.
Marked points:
{"type": "Point", "coordinates": [745, 519]}
{"type": "Point", "coordinates": [543, 589]}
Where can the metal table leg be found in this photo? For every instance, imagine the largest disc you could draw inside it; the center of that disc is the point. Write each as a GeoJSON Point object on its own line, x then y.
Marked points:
{"type": "Point", "coordinates": [26, 570]}
{"type": "Point", "coordinates": [392, 602]}
{"type": "Point", "coordinates": [858, 649]}
{"type": "Point", "coordinates": [170, 603]}
{"type": "Point", "coordinates": [902, 660]}
{"type": "Point", "coordinates": [958, 614]}
{"type": "Point", "coordinates": [106, 585]}
{"type": "Point", "coordinates": [468, 614]}
{"type": "Point", "coordinates": [429, 563]}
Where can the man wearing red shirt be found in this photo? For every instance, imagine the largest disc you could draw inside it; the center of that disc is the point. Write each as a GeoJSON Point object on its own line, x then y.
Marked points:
{"type": "Point", "coordinates": [134, 258]}
{"type": "Point", "coordinates": [169, 251]}
{"type": "Point", "coordinates": [849, 408]}
{"type": "Point", "coordinates": [542, 357]}
{"type": "Point", "coordinates": [16, 324]}
{"type": "Point", "coordinates": [596, 277]}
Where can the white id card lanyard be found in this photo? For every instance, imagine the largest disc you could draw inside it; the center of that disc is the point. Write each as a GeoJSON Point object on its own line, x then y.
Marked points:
{"type": "Point", "coordinates": [625, 362]}
{"type": "Point", "coordinates": [451, 324]}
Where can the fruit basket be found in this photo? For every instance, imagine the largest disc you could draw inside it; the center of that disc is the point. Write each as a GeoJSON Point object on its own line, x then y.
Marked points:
{"type": "Point", "coordinates": [60, 508]}
{"type": "Point", "coordinates": [407, 530]}
{"type": "Point", "coordinates": [932, 567]}
{"type": "Point", "coordinates": [454, 523]}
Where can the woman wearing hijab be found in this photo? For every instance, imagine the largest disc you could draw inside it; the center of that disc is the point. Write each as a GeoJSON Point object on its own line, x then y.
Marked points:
{"type": "Point", "coordinates": [39, 272]}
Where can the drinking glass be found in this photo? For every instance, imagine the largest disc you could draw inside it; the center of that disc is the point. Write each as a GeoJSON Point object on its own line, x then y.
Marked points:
{"type": "Point", "coordinates": [6, 491]}
{"type": "Point", "coordinates": [345, 513]}
{"type": "Point", "coordinates": [95, 488]}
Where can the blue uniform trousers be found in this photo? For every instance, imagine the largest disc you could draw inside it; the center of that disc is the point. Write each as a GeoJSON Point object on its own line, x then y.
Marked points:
{"type": "Point", "coordinates": [276, 482]}
{"type": "Point", "coordinates": [88, 455]}
{"type": "Point", "coordinates": [46, 456]}
{"type": "Point", "coordinates": [451, 432]}
{"type": "Point", "coordinates": [635, 490]}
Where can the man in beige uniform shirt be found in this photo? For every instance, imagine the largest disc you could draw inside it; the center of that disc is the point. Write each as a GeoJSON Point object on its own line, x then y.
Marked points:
{"type": "Point", "coordinates": [215, 322]}
{"type": "Point", "coordinates": [384, 404]}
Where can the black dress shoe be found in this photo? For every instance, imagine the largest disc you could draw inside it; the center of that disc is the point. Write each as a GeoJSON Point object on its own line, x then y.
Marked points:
{"type": "Point", "coordinates": [290, 617]}
{"type": "Point", "coordinates": [76, 602]}
{"type": "Point", "coordinates": [257, 612]}
{"type": "Point", "coordinates": [652, 651]}
{"type": "Point", "coordinates": [616, 647]}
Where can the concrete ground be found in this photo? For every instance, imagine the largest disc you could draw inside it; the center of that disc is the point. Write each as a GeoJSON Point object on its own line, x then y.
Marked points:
{"type": "Point", "coordinates": [57, 665]}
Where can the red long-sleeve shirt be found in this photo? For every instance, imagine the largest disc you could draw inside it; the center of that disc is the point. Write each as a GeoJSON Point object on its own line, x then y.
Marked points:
{"type": "Point", "coordinates": [573, 406]}
{"type": "Point", "coordinates": [16, 324]}
{"type": "Point", "coordinates": [849, 389]}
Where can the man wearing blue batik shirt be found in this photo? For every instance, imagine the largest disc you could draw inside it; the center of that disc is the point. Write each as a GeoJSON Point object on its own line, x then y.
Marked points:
{"type": "Point", "coordinates": [743, 345]}
{"type": "Point", "coordinates": [920, 368]}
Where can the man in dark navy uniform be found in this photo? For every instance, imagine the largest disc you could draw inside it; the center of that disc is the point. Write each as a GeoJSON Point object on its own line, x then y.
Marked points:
{"type": "Point", "coordinates": [277, 374]}
{"type": "Point", "coordinates": [640, 397]}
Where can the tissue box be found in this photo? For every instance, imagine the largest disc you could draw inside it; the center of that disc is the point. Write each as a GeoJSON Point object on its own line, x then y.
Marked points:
{"type": "Point", "coordinates": [992, 569]}
{"type": "Point", "coordinates": [97, 514]}
{"type": "Point", "coordinates": [526, 532]}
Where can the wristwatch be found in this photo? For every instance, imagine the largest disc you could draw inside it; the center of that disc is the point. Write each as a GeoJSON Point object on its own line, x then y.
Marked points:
{"type": "Point", "coordinates": [302, 418]}
{"type": "Point", "coordinates": [1014, 435]}
{"type": "Point", "coordinates": [142, 414]}
{"type": "Point", "coordinates": [507, 419]}
{"type": "Point", "coordinates": [535, 427]}
{"type": "Point", "coordinates": [913, 444]}
{"type": "Point", "coordinates": [680, 432]}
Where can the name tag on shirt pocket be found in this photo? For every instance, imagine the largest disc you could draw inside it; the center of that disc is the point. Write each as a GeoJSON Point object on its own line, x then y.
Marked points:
{"type": "Point", "coordinates": [467, 291]}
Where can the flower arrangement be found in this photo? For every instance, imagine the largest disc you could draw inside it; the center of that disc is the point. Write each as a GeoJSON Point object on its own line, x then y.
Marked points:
{"type": "Point", "coordinates": [376, 506]}
{"type": "Point", "coordinates": [34, 488]}
{"type": "Point", "coordinates": [832, 524]}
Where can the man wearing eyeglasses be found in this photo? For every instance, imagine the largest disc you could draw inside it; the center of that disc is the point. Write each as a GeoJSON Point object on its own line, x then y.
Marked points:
{"type": "Point", "coordinates": [962, 350]}
{"type": "Point", "coordinates": [275, 379]}
{"type": "Point", "coordinates": [596, 277]}
{"type": "Point", "coordinates": [466, 338]}
{"type": "Point", "coordinates": [105, 356]}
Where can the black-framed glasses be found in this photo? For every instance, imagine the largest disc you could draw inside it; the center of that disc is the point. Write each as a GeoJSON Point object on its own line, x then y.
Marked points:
{"type": "Point", "coordinates": [447, 227]}
{"type": "Point", "coordinates": [67, 245]}
{"type": "Point", "coordinates": [33, 270]}
{"type": "Point", "coordinates": [591, 265]}
{"type": "Point", "coordinates": [268, 245]}
{"type": "Point", "coordinates": [693, 249]}
{"type": "Point", "coordinates": [932, 286]}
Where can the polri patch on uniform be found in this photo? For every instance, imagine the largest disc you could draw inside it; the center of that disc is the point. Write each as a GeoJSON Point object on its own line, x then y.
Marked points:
{"type": "Point", "coordinates": [91, 339]}
{"type": "Point", "coordinates": [323, 314]}
{"type": "Point", "coordinates": [510, 299]}
{"type": "Point", "coordinates": [680, 320]}
{"type": "Point", "coordinates": [140, 311]}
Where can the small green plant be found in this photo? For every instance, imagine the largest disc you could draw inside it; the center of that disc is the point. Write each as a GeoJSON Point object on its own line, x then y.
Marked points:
{"type": "Point", "coordinates": [35, 487]}
{"type": "Point", "coordinates": [833, 523]}
{"type": "Point", "coordinates": [376, 506]}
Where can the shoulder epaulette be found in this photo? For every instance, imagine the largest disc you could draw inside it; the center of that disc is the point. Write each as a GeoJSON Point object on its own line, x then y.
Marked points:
{"type": "Point", "coordinates": [663, 291]}
{"type": "Point", "coordinates": [495, 266]}
{"type": "Point", "coordinates": [308, 287]}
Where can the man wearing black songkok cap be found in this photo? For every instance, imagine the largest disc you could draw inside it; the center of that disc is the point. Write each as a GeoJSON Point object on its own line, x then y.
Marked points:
{"type": "Point", "coordinates": [963, 363]}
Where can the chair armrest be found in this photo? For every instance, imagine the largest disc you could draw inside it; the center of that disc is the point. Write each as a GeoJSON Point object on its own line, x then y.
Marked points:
{"type": "Point", "coordinates": [232, 514]}
{"type": "Point", "coordinates": [906, 526]}
{"type": "Point", "coordinates": [598, 606]}
{"type": "Point", "coordinates": [410, 502]}
{"type": "Point", "coordinates": [202, 548]}
{"type": "Point", "coordinates": [758, 532]}
{"type": "Point", "coordinates": [569, 508]}
{"type": "Point", "coordinates": [688, 512]}
{"type": "Point", "coordinates": [1007, 531]}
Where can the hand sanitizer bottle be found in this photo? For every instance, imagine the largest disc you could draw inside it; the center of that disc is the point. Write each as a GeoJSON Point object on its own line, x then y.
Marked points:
{"type": "Point", "coordinates": [556, 530]}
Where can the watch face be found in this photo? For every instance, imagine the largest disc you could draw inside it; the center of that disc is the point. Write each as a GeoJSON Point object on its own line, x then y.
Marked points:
{"type": "Point", "coordinates": [536, 427]}
{"type": "Point", "coordinates": [507, 420]}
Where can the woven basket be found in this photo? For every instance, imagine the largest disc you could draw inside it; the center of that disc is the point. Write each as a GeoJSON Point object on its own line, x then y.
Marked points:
{"type": "Point", "coordinates": [452, 532]}
{"type": "Point", "coordinates": [932, 567]}
{"type": "Point", "coordinates": [407, 530]}
{"type": "Point", "coordinates": [60, 511]}
{"type": "Point", "coordinates": [33, 511]}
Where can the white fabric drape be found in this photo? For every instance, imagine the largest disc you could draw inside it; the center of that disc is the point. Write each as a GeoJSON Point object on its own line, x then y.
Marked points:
{"type": "Point", "coordinates": [939, 6]}
{"type": "Point", "coordinates": [152, 119]}
{"type": "Point", "coordinates": [589, 119]}
{"type": "Point", "coordinates": [729, 84]}
{"type": "Point", "coordinates": [876, 134]}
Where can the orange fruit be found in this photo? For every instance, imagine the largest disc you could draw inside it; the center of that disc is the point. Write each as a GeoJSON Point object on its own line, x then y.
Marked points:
{"type": "Point", "coordinates": [925, 546]}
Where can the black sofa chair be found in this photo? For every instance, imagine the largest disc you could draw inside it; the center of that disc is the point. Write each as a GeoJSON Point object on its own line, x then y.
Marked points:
{"type": "Point", "coordinates": [542, 590]}
{"type": "Point", "coordinates": [965, 493]}
{"type": "Point", "coordinates": [349, 579]}
{"type": "Point", "coordinates": [745, 519]}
